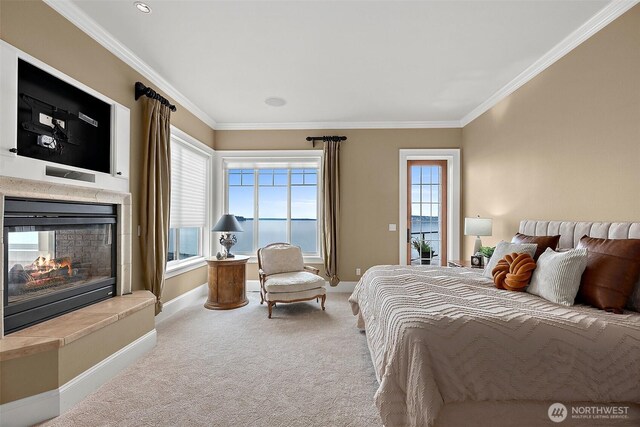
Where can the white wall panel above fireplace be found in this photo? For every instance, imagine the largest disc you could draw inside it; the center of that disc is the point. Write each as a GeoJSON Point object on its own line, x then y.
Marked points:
{"type": "Point", "coordinates": [13, 164]}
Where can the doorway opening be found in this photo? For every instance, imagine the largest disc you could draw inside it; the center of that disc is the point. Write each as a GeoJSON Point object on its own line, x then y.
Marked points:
{"type": "Point", "coordinates": [429, 213]}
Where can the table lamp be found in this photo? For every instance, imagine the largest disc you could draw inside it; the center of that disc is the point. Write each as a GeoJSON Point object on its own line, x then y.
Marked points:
{"type": "Point", "coordinates": [478, 227]}
{"type": "Point", "coordinates": [228, 224]}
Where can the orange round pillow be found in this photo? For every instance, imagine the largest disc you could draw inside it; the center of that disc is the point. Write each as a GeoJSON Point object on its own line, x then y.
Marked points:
{"type": "Point", "coordinates": [513, 272]}
{"type": "Point", "coordinates": [500, 272]}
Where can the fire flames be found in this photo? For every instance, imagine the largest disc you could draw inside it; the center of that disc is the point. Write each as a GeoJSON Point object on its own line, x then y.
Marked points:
{"type": "Point", "coordinates": [44, 264]}
{"type": "Point", "coordinates": [43, 272]}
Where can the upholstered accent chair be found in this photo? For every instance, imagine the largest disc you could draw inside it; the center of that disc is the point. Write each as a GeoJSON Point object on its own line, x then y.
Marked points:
{"type": "Point", "coordinates": [285, 278]}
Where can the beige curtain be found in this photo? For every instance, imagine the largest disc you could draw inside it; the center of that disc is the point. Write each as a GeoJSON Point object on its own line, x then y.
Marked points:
{"type": "Point", "coordinates": [156, 189]}
{"type": "Point", "coordinates": [331, 206]}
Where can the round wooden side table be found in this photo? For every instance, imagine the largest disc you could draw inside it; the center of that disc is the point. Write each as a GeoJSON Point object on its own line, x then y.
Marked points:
{"type": "Point", "coordinates": [227, 283]}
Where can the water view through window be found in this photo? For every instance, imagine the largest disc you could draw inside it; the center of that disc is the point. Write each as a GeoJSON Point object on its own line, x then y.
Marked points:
{"type": "Point", "coordinates": [285, 201]}
{"type": "Point", "coordinates": [426, 213]}
{"type": "Point", "coordinates": [184, 243]}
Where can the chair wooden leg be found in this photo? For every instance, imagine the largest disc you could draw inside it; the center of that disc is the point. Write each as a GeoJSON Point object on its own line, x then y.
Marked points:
{"type": "Point", "coordinates": [324, 297]}
{"type": "Point", "coordinates": [270, 304]}
{"type": "Point", "coordinates": [261, 297]}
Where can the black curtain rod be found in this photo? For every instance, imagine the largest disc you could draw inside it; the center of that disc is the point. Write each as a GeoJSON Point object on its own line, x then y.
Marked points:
{"type": "Point", "coordinates": [147, 91]}
{"type": "Point", "coordinates": [313, 139]}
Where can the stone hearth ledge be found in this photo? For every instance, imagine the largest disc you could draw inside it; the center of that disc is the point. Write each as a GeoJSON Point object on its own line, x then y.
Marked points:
{"type": "Point", "coordinates": [63, 330]}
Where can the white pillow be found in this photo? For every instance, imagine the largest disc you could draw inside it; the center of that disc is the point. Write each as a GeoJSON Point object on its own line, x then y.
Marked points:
{"type": "Point", "coordinates": [505, 248]}
{"type": "Point", "coordinates": [557, 275]}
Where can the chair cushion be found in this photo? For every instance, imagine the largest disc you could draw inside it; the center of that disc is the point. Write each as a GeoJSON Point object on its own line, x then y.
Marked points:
{"type": "Point", "coordinates": [293, 282]}
{"type": "Point", "coordinates": [293, 296]}
{"type": "Point", "coordinates": [281, 259]}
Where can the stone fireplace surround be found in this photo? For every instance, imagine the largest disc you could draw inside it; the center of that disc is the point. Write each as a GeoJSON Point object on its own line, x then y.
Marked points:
{"type": "Point", "coordinates": [18, 187]}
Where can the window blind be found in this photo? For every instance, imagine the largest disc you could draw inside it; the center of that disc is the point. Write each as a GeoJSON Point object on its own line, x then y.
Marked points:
{"type": "Point", "coordinates": [272, 163]}
{"type": "Point", "coordinates": [188, 186]}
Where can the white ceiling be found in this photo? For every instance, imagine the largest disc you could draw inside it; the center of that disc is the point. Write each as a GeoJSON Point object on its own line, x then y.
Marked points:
{"type": "Point", "coordinates": [339, 61]}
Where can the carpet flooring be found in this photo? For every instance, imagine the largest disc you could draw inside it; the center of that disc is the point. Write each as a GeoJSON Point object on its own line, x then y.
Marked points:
{"type": "Point", "coordinates": [303, 367]}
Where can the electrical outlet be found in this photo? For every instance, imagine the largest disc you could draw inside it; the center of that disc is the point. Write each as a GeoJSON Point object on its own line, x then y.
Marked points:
{"type": "Point", "coordinates": [358, 272]}
{"type": "Point", "coordinates": [393, 227]}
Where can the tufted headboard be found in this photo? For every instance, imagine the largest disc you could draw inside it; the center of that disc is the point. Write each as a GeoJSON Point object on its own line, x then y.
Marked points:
{"type": "Point", "coordinates": [570, 232]}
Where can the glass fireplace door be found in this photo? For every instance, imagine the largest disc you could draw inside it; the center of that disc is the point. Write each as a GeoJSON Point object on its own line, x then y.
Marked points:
{"type": "Point", "coordinates": [58, 257]}
{"type": "Point", "coordinates": [48, 259]}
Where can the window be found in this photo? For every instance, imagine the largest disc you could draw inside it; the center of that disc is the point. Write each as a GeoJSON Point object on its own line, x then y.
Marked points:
{"type": "Point", "coordinates": [189, 216]}
{"type": "Point", "coordinates": [275, 200]}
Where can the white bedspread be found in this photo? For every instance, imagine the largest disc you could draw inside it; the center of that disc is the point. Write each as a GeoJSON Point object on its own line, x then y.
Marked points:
{"type": "Point", "coordinates": [440, 335]}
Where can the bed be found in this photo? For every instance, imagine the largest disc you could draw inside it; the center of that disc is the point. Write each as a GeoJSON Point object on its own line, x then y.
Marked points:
{"type": "Point", "coordinates": [443, 338]}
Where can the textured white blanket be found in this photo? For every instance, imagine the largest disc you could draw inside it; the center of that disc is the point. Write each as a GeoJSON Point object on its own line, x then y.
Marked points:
{"type": "Point", "coordinates": [440, 335]}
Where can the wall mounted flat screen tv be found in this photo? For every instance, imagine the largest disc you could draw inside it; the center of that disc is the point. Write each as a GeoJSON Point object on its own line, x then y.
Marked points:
{"type": "Point", "coordinates": [60, 123]}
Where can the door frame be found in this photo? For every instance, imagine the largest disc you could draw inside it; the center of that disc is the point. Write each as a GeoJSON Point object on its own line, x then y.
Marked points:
{"type": "Point", "coordinates": [452, 156]}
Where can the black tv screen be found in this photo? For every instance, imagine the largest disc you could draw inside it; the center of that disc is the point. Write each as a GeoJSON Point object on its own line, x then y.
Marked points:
{"type": "Point", "coordinates": [60, 123]}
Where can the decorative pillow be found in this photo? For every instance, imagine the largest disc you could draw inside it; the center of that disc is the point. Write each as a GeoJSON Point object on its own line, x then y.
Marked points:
{"type": "Point", "coordinates": [557, 276]}
{"type": "Point", "coordinates": [513, 272]}
{"type": "Point", "coordinates": [613, 268]}
{"type": "Point", "coordinates": [634, 299]}
{"type": "Point", "coordinates": [504, 248]}
{"type": "Point", "coordinates": [282, 259]}
{"type": "Point", "coordinates": [543, 242]}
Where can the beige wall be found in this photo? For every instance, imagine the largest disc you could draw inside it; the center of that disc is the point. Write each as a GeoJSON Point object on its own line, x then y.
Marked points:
{"type": "Point", "coordinates": [564, 146]}
{"type": "Point", "coordinates": [38, 30]}
{"type": "Point", "coordinates": [369, 178]}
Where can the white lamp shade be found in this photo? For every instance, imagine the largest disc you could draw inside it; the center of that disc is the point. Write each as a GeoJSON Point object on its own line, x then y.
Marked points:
{"type": "Point", "coordinates": [478, 226]}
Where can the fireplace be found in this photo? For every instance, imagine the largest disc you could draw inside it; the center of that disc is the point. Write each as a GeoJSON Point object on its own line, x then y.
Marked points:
{"type": "Point", "coordinates": [58, 257]}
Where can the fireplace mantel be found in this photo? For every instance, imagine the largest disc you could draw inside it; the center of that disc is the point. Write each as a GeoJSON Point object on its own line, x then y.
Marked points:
{"type": "Point", "coordinates": [18, 187]}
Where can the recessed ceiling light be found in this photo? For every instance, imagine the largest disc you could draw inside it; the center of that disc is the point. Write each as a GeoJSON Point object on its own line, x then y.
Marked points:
{"type": "Point", "coordinates": [275, 102]}
{"type": "Point", "coordinates": [142, 7]}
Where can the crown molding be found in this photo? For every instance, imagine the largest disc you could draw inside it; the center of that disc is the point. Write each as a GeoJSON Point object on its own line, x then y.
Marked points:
{"type": "Point", "coordinates": [339, 125]}
{"type": "Point", "coordinates": [81, 20]}
{"type": "Point", "coordinates": [609, 13]}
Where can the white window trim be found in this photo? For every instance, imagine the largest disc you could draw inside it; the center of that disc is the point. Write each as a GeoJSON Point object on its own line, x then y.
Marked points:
{"type": "Point", "coordinates": [175, 268]}
{"type": "Point", "coordinates": [256, 156]}
{"type": "Point", "coordinates": [452, 156]}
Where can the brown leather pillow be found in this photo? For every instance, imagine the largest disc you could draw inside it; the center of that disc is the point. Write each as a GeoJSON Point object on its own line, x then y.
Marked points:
{"type": "Point", "coordinates": [543, 242]}
{"type": "Point", "coordinates": [613, 268]}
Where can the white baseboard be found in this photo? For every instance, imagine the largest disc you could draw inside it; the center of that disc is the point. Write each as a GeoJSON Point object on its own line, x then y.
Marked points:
{"type": "Point", "coordinates": [254, 286]}
{"type": "Point", "coordinates": [342, 287]}
{"type": "Point", "coordinates": [183, 301]}
{"type": "Point", "coordinates": [35, 409]}
{"type": "Point", "coordinates": [30, 410]}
